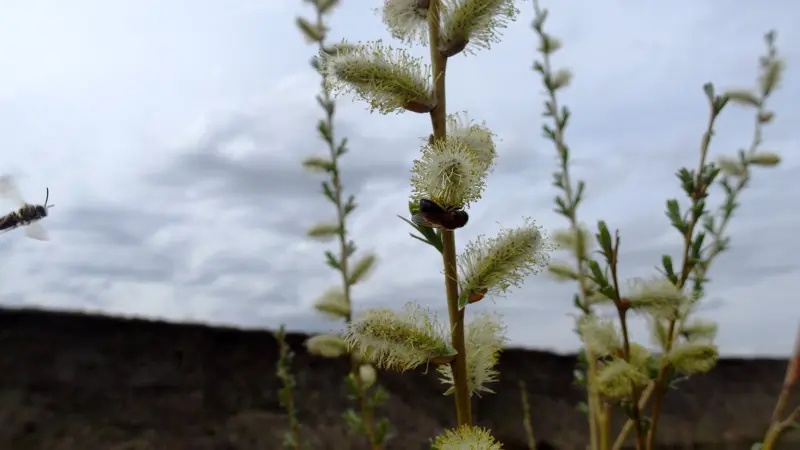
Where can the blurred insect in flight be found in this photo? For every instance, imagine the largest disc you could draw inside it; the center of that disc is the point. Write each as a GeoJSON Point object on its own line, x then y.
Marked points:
{"type": "Point", "coordinates": [432, 215]}
{"type": "Point", "coordinates": [28, 215]}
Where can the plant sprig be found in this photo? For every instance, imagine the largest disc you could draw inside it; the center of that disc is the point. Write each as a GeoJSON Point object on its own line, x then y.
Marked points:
{"type": "Point", "coordinates": [450, 175]}
{"type": "Point", "coordinates": [615, 369]}
{"type": "Point", "coordinates": [337, 302]}
{"type": "Point", "coordinates": [291, 440]}
{"type": "Point", "coordinates": [576, 239]}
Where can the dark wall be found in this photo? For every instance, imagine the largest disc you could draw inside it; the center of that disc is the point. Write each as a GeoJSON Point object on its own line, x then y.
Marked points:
{"type": "Point", "coordinates": [75, 381]}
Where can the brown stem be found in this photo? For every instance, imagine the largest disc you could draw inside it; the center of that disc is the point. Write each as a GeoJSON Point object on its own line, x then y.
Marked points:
{"type": "Point", "coordinates": [439, 124]}
{"type": "Point", "coordinates": [366, 411]}
{"type": "Point", "coordinates": [622, 312]}
{"type": "Point", "coordinates": [790, 379]}
{"type": "Point", "coordinates": [686, 269]}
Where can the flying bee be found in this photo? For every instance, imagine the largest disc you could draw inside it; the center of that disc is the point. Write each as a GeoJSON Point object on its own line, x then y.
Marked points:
{"type": "Point", "coordinates": [27, 215]}
{"type": "Point", "coordinates": [432, 215]}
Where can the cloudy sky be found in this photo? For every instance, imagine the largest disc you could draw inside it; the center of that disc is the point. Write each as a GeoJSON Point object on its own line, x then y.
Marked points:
{"type": "Point", "coordinates": [170, 134]}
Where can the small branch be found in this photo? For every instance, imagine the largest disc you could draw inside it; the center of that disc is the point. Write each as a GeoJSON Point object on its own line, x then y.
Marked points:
{"type": "Point", "coordinates": [778, 425]}
{"type": "Point", "coordinates": [286, 393]}
{"type": "Point", "coordinates": [626, 429]}
{"type": "Point", "coordinates": [686, 270]}
{"type": "Point", "coordinates": [622, 312]}
{"type": "Point", "coordinates": [596, 411]}
{"type": "Point", "coordinates": [343, 260]}
{"type": "Point", "coordinates": [777, 429]}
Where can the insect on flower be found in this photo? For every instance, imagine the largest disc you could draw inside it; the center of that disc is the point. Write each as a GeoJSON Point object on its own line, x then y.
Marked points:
{"type": "Point", "coordinates": [432, 215]}
{"type": "Point", "coordinates": [27, 215]}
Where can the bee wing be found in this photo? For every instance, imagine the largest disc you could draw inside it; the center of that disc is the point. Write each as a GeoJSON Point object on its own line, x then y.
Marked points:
{"type": "Point", "coordinates": [420, 220]}
{"type": "Point", "coordinates": [8, 189]}
{"type": "Point", "coordinates": [37, 231]}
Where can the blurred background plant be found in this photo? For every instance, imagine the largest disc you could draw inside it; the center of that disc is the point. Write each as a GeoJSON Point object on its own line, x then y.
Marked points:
{"type": "Point", "coordinates": [336, 303]}
{"type": "Point", "coordinates": [617, 370]}
{"type": "Point", "coordinates": [291, 439]}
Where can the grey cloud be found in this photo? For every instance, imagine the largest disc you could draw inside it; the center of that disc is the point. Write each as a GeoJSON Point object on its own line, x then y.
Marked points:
{"type": "Point", "coordinates": [124, 268]}
{"type": "Point", "coordinates": [221, 236]}
{"type": "Point", "coordinates": [275, 171]}
{"type": "Point", "coordinates": [228, 262]}
{"type": "Point", "coordinates": [113, 224]}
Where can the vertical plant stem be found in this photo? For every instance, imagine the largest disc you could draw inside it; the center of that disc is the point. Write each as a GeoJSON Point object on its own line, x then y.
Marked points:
{"type": "Point", "coordinates": [659, 389]}
{"type": "Point", "coordinates": [366, 410]}
{"type": "Point", "coordinates": [626, 429]}
{"type": "Point", "coordinates": [622, 312]}
{"type": "Point", "coordinates": [776, 430]}
{"type": "Point", "coordinates": [596, 412]}
{"type": "Point", "coordinates": [792, 375]}
{"type": "Point", "coordinates": [594, 403]}
{"type": "Point", "coordinates": [604, 427]}
{"type": "Point", "coordinates": [439, 124]}
{"type": "Point", "coordinates": [287, 392]}
{"type": "Point", "coordinates": [526, 416]}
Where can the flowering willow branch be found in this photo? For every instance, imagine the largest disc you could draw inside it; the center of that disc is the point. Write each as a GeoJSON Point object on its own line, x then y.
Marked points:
{"type": "Point", "coordinates": [447, 178]}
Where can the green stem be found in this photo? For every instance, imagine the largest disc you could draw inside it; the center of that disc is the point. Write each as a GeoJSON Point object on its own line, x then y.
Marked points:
{"type": "Point", "coordinates": [526, 416]}
{"type": "Point", "coordinates": [659, 389]}
{"type": "Point", "coordinates": [622, 313]}
{"type": "Point", "coordinates": [366, 410]}
{"type": "Point", "coordinates": [777, 428]}
{"type": "Point", "coordinates": [285, 374]}
{"type": "Point", "coordinates": [596, 408]}
{"type": "Point", "coordinates": [439, 124]}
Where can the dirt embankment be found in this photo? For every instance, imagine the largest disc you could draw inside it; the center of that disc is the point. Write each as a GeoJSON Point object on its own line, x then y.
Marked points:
{"type": "Point", "coordinates": [75, 381]}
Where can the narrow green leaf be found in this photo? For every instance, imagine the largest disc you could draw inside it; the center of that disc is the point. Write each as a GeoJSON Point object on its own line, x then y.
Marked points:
{"type": "Point", "coordinates": [327, 105]}
{"type": "Point", "coordinates": [349, 205]}
{"type": "Point", "coordinates": [325, 6]}
{"type": "Point", "coordinates": [325, 131]}
{"type": "Point", "coordinates": [332, 261]}
{"type": "Point", "coordinates": [318, 164]}
{"type": "Point", "coordinates": [603, 237]}
{"type": "Point", "coordinates": [327, 190]}
{"type": "Point", "coordinates": [324, 231]}
{"type": "Point", "coordinates": [311, 31]}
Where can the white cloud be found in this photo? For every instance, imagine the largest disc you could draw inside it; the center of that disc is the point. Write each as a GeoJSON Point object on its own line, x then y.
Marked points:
{"type": "Point", "coordinates": [170, 135]}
